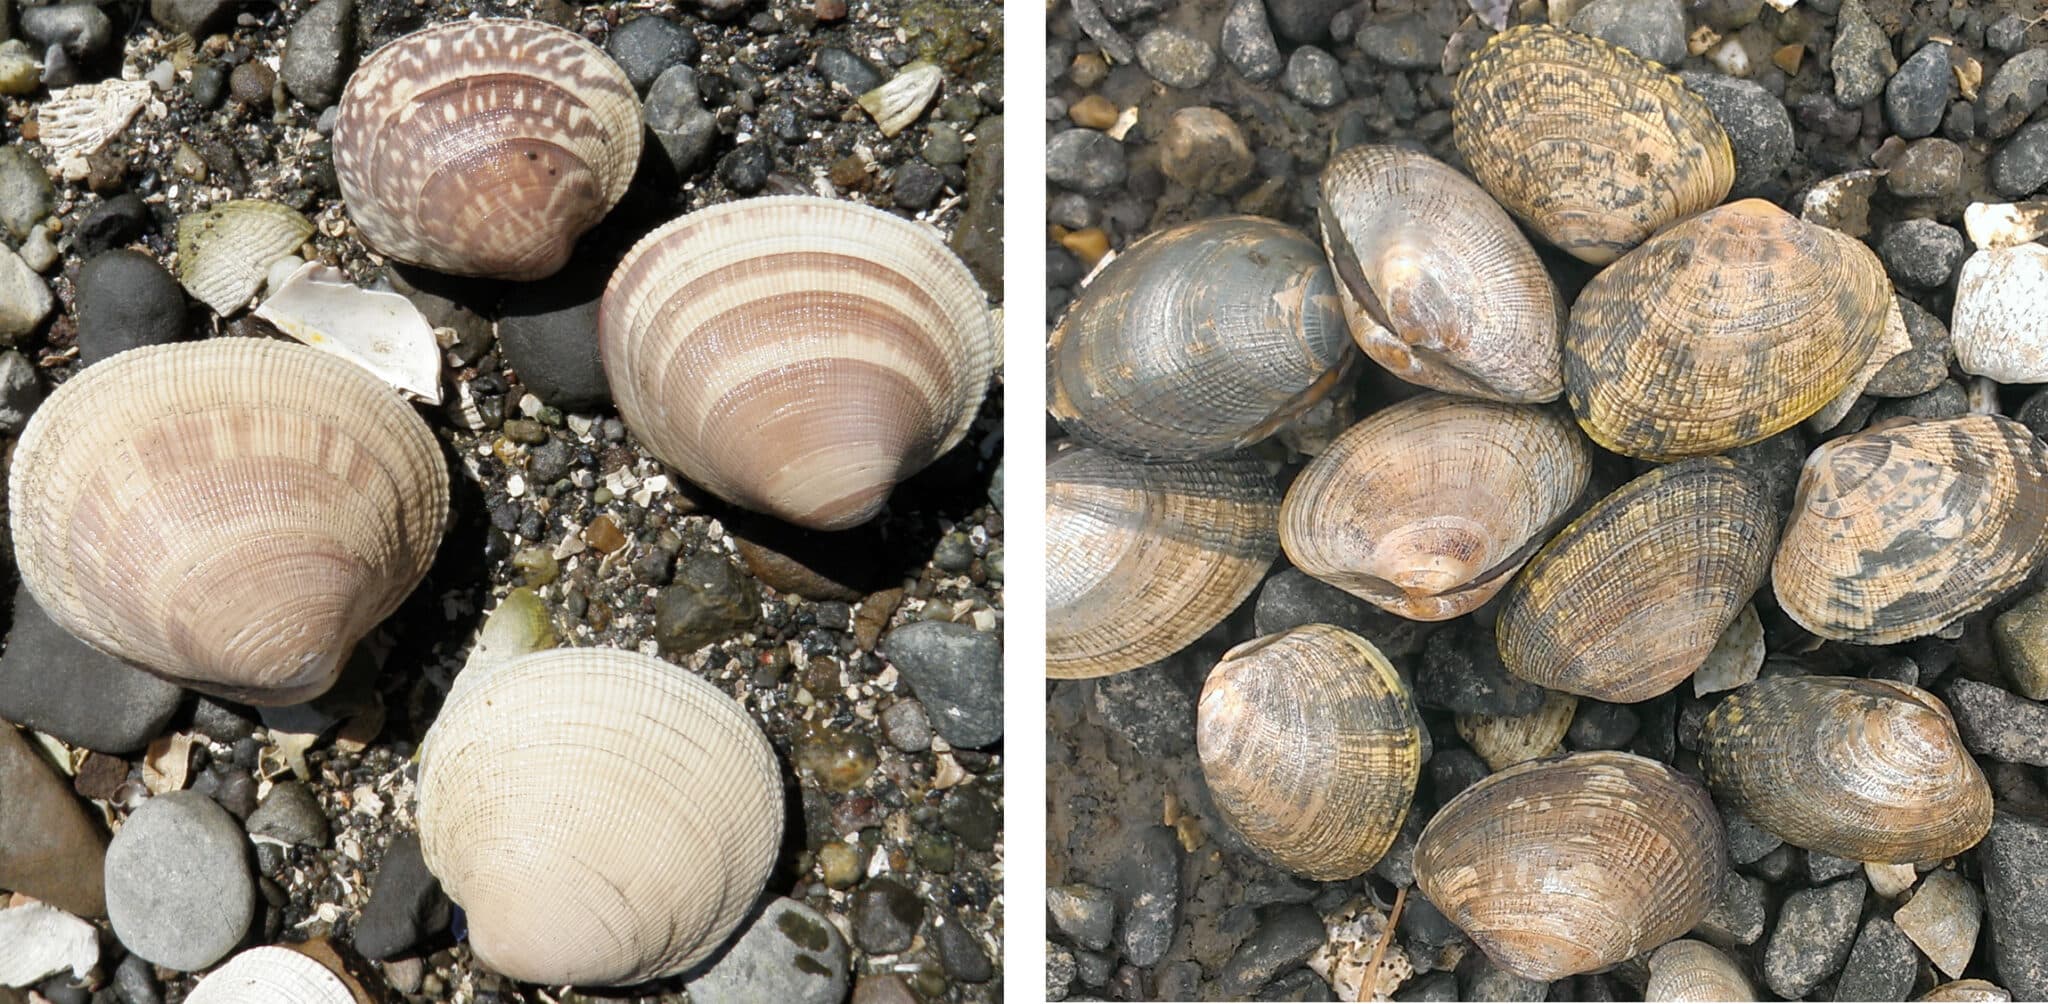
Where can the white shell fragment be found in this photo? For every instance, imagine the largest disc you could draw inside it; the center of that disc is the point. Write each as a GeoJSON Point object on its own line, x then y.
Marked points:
{"type": "Point", "coordinates": [38, 940]}
{"type": "Point", "coordinates": [1943, 918]}
{"type": "Point", "coordinates": [2004, 224]}
{"type": "Point", "coordinates": [2000, 330]}
{"type": "Point", "coordinates": [898, 103]}
{"type": "Point", "coordinates": [1737, 656]}
{"type": "Point", "coordinates": [80, 120]}
{"type": "Point", "coordinates": [1783, 5]}
{"type": "Point", "coordinates": [271, 975]}
{"type": "Point", "coordinates": [380, 331]}
{"type": "Point", "coordinates": [224, 253]}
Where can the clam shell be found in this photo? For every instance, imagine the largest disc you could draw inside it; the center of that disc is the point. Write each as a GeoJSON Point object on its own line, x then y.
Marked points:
{"type": "Point", "coordinates": [232, 514]}
{"type": "Point", "coordinates": [1142, 559]}
{"type": "Point", "coordinates": [797, 356]}
{"type": "Point", "coordinates": [1505, 740]}
{"type": "Point", "coordinates": [1999, 330]}
{"type": "Point", "coordinates": [1944, 919]}
{"type": "Point", "coordinates": [1198, 341]}
{"type": "Point", "coordinates": [1737, 657]}
{"type": "Point", "coordinates": [1593, 146]}
{"type": "Point", "coordinates": [602, 817]}
{"type": "Point", "coordinates": [1909, 525]}
{"type": "Point", "coordinates": [1721, 331]}
{"type": "Point", "coordinates": [271, 975]}
{"type": "Point", "coordinates": [225, 253]}
{"type": "Point", "coordinates": [1868, 770]}
{"type": "Point", "coordinates": [1311, 746]}
{"type": "Point", "coordinates": [1439, 285]}
{"type": "Point", "coordinates": [485, 147]}
{"type": "Point", "coordinates": [1967, 990]}
{"type": "Point", "coordinates": [1567, 866]}
{"type": "Point", "coordinates": [1687, 970]}
{"type": "Point", "coordinates": [1631, 598]}
{"type": "Point", "coordinates": [1428, 507]}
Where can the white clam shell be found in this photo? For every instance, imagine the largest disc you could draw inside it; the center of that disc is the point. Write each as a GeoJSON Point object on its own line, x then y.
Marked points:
{"type": "Point", "coordinates": [1999, 329]}
{"type": "Point", "coordinates": [795, 355]}
{"type": "Point", "coordinates": [225, 253]}
{"type": "Point", "coordinates": [603, 817]}
{"type": "Point", "coordinates": [271, 975]}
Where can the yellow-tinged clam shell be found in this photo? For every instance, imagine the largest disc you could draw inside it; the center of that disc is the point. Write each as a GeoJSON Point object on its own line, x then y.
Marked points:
{"type": "Point", "coordinates": [1720, 332]}
{"type": "Point", "coordinates": [1688, 970]}
{"type": "Point", "coordinates": [225, 252]}
{"type": "Point", "coordinates": [1909, 525]}
{"type": "Point", "coordinates": [1311, 746]}
{"type": "Point", "coordinates": [233, 514]}
{"type": "Point", "coordinates": [601, 816]}
{"type": "Point", "coordinates": [1429, 506]}
{"type": "Point", "coordinates": [1142, 559]}
{"type": "Point", "coordinates": [1868, 770]}
{"type": "Point", "coordinates": [1570, 865]}
{"type": "Point", "coordinates": [1505, 740]}
{"type": "Point", "coordinates": [1630, 599]}
{"type": "Point", "coordinates": [1593, 146]}
{"type": "Point", "coordinates": [797, 356]}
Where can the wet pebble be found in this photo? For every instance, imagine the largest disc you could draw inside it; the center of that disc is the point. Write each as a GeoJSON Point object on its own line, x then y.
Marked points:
{"type": "Point", "coordinates": [1927, 168]}
{"type": "Point", "coordinates": [1248, 43]}
{"type": "Point", "coordinates": [51, 681]}
{"type": "Point", "coordinates": [906, 726]}
{"type": "Point", "coordinates": [547, 331]}
{"type": "Point", "coordinates": [319, 52]}
{"type": "Point", "coordinates": [1404, 43]}
{"type": "Point", "coordinates": [2015, 93]}
{"type": "Point", "coordinates": [1652, 29]}
{"type": "Point", "coordinates": [1922, 253]}
{"type": "Point", "coordinates": [1862, 59]}
{"type": "Point", "coordinates": [646, 46]}
{"type": "Point", "coordinates": [916, 185]}
{"type": "Point", "coordinates": [1758, 127]}
{"type": "Point", "coordinates": [846, 70]}
{"type": "Point", "coordinates": [250, 85]}
{"type": "Point", "coordinates": [126, 300]}
{"type": "Point", "coordinates": [1998, 724]}
{"type": "Point", "coordinates": [1085, 160]}
{"type": "Point", "coordinates": [24, 297]}
{"type": "Point", "coordinates": [1917, 96]}
{"type": "Point", "coordinates": [1147, 889]}
{"type": "Point", "coordinates": [1815, 932]}
{"type": "Point", "coordinates": [1314, 78]}
{"type": "Point", "coordinates": [943, 145]}
{"type": "Point", "coordinates": [960, 952]}
{"type": "Point", "coordinates": [789, 953]}
{"type": "Point", "coordinates": [709, 602]}
{"type": "Point", "coordinates": [179, 891]}
{"type": "Point", "coordinates": [48, 848]}
{"type": "Point", "coordinates": [1284, 940]}
{"type": "Point", "coordinates": [82, 30]}
{"type": "Point", "coordinates": [406, 904]}
{"type": "Point", "coordinates": [1462, 672]}
{"type": "Point", "coordinates": [1149, 708]}
{"type": "Point", "coordinates": [1084, 915]}
{"type": "Point", "coordinates": [886, 916]}
{"type": "Point", "coordinates": [675, 113]}
{"type": "Point", "coordinates": [746, 168]}
{"type": "Point", "coordinates": [113, 223]}
{"type": "Point", "coordinates": [135, 982]}
{"type": "Point", "coordinates": [290, 813]}
{"type": "Point", "coordinates": [26, 195]}
{"type": "Point", "coordinates": [1176, 58]}
{"type": "Point", "coordinates": [2021, 165]}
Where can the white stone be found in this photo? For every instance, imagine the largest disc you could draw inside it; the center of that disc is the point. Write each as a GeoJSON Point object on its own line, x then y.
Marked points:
{"type": "Point", "coordinates": [2000, 329]}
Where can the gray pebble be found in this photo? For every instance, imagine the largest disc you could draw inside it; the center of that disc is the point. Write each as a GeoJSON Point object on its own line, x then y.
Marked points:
{"type": "Point", "coordinates": [745, 169]}
{"type": "Point", "coordinates": [1599, 725]}
{"type": "Point", "coordinates": [1404, 43]}
{"type": "Point", "coordinates": [1084, 915]}
{"type": "Point", "coordinates": [113, 223]}
{"type": "Point", "coordinates": [1461, 671]}
{"type": "Point", "coordinates": [126, 300]}
{"type": "Point", "coordinates": [290, 813]}
{"type": "Point", "coordinates": [1822, 867]}
{"type": "Point", "coordinates": [916, 185]}
{"type": "Point", "coordinates": [943, 145]}
{"type": "Point", "coordinates": [550, 462]}
{"type": "Point", "coordinates": [1149, 708]}
{"type": "Point", "coordinates": [847, 70]}
{"type": "Point", "coordinates": [319, 53]}
{"type": "Point", "coordinates": [2008, 34]}
{"type": "Point", "coordinates": [1248, 43]}
{"type": "Point", "coordinates": [24, 297]}
{"type": "Point", "coordinates": [1999, 724]}
{"type": "Point", "coordinates": [81, 29]}
{"type": "Point", "coordinates": [1652, 29]}
{"type": "Point", "coordinates": [906, 726]}
{"type": "Point", "coordinates": [2015, 93]}
{"type": "Point", "coordinates": [957, 673]}
{"type": "Point", "coordinates": [1747, 842]}
{"type": "Point", "coordinates": [179, 891]}
{"type": "Point", "coordinates": [1757, 124]}
{"type": "Point", "coordinates": [788, 953]}
{"type": "Point", "coordinates": [1815, 931]}
{"type": "Point", "coordinates": [197, 18]}
{"type": "Point", "coordinates": [886, 916]}
{"type": "Point", "coordinates": [1433, 987]}
{"type": "Point", "coordinates": [648, 45]}
{"type": "Point", "coordinates": [1085, 160]}
{"type": "Point", "coordinates": [1863, 59]}
{"type": "Point", "coordinates": [1454, 770]}
{"type": "Point", "coordinates": [52, 682]}
{"type": "Point", "coordinates": [20, 392]}
{"type": "Point", "coordinates": [1147, 889]}
{"type": "Point", "coordinates": [1946, 400]}
{"type": "Point", "coordinates": [2014, 857]}
{"type": "Point", "coordinates": [1291, 598]}
{"type": "Point", "coordinates": [1922, 253]}
{"type": "Point", "coordinates": [1917, 96]}
{"type": "Point", "coordinates": [1284, 940]}
{"type": "Point", "coordinates": [1314, 78]}
{"type": "Point", "coordinates": [1921, 368]}
{"type": "Point", "coordinates": [1485, 981]}
{"type": "Point", "coordinates": [1176, 58]}
{"type": "Point", "coordinates": [1726, 16]}
{"type": "Point", "coordinates": [548, 332]}
{"type": "Point", "coordinates": [960, 952]}
{"type": "Point", "coordinates": [1927, 168]}
{"type": "Point", "coordinates": [406, 904]}
{"type": "Point", "coordinates": [709, 602]}
{"type": "Point", "coordinates": [135, 982]}
{"type": "Point", "coordinates": [675, 113]}
{"type": "Point", "coordinates": [2021, 165]}
{"type": "Point", "coordinates": [1882, 965]}
{"type": "Point", "coordinates": [209, 84]}
{"type": "Point", "coordinates": [26, 195]}
{"type": "Point", "coordinates": [1303, 20]}
{"type": "Point", "coordinates": [1738, 914]}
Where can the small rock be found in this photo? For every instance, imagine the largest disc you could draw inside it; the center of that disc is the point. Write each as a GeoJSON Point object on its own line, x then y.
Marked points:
{"type": "Point", "coordinates": [1461, 671]}
{"type": "Point", "coordinates": [18, 72]}
{"type": "Point", "coordinates": [1248, 42]}
{"type": "Point", "coordinates": [2008, 34]}
{"type": "Point", "coordinates": [674, 112]}
{"type": "Point", "coordinates": [48, 848]}
{"type": "Point", "coordinates": [126, 300]}
{"type": "Point", "coordinates": [1921, 368]}
{"type": "Point", "coordinates": [1748, 843]}
{"type": "Point", "coordinates": [1946, 400]}
{"type": "Point", "coordinates": [1176, 58]}
{"type": "Point", "coordinates": [846, 70]}
{"type": "Point", "coordinates": [319, 53]}
{"type": "Point", "coordinates": [916, 185]}
{"type": "Point", "coordinates": [1485, 981]}
{"type": "Point", "coordinates": [179, 891]}
{"type": "Point", "coordinates": [1758, 127]}
{"type": "Point", "coordinates": [1283, 941]}
{"type": "Point", "coordinates": [550, 462]}
{"type": "Point", "coordinates": [1602, 726]}
{"type": "Point", "coordinates": [709, 602]}
{"type": "Point", "coordinates": [24, 297]}
{"type": "Point", "coordinates": [20, 392]}
{"type": "Point", "coordinates": [1303, 20]}
{"type": "Point", "coordinates": [1433, 987]}
{"type": "Point", "coordinates": [1815, 932]}
{"type": "Point", "coordinates": [789, 953]}
{"type": "Point", "coordinates": [648, 45]}
{"type": "Point", "coordinates": [547, 331]}
{"type": "Point", "coordinates": [1203, 149]}
{"type": "Point", "coordinates": [1917, 96]}
{"type": "Point", "coordinates": [26, 195]}
{"type": "Point", "coordinates": [943, 145]}
{"type": "Point", "coordinates": [1291, 598]}
{"type": "Point", "coordinates": [960, 952]}
{"type": "Point", "coordinates": [2014, 857]}
{"type": "Point", "coordinates": [1922, 253]}
{"type": "Point", "coordinates": [1998, 724]}
{"type": "Point", "coordinates": [2015, 93]}
{"type": "Point", "coordinates": [1652, 29]}
{"type": "Point", "coordinates": [1085, 161]}
{"type": "Point", "coordinates": [889, 988]}
{"type": "Point", "coordinates": [292, 814]}
{"type": "Point", "coordinates": [135, 982]}
{"type": "Point", "coordinates": [406, 905]}
{"type": "Point", "coordinates": [1404, 43]}
{"type": "Point", "coordinates": [1928, 168]}
{"type": "Point", "coordinates": [250, 85]}
{"type": "Point", "coordinates": [1314, 78]}
{"type": "Point", "coordinates": [906, 726]}
{"type": "Point", "coordinates": [52, 682]}
{"type": "Point", "coordinates": [886, 916]}
{"type": "Point", "coordinates": [82, 30]}
{"type": "Point", "coordinates": [1863, 58]}
{"type": "Point", "coordinates": [957, 672]}
{"type": "Point", "coordinates": [1084, 915]}
{"type": "Point", "coordinates": [1737, 916]}
{"type": "Point", "coordinates": [1822, 867]}
{"type": "Point", "coordinates": [745, 170]}
{"type": "Point", "coordinates": [197, 18]}
{"type": "Point", "coordinates": [978, 236]}
{"type": "Point", "coordinates": [1881, 967]}
{"type": "Point", "coordinates": [2021, 165]}
{"type": "Point", "coordinates": [1149, 708]}
{"type": "Point", "coordinates": [113, 223]}
{"type": "Point", "coordinates": [2021, 633]}
{"type": "Point", "coordinates": [1147, 889]}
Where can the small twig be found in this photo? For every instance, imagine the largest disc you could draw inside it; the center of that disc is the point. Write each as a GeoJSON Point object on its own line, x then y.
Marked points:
{"type": "Point", "coordinates": [1368, 988]}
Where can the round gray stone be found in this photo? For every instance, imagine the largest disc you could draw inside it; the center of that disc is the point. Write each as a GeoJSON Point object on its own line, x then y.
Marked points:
{"type": "Point", "coordinates": [1757, 124]}
{"type": "Point", "coordinates": [1085, 161]}
{"type": "Point", "coordinates": [789, 954]}
{"type": "Point", "coordinates": [1652, 29]}
{"type": "Point", "coordinates": [1176, 58]}
{"type": "Point", "coordinates": [178, 887]}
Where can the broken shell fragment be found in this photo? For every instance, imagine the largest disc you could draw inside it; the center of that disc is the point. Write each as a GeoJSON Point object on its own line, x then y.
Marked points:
{"type": "Point", "coordinates": [378, 330]}
{"type": "Point", "coordinates": [1999, 329]}
{"type": "Point", "coordinates": [225, 253]}
{"type": "Point", "coordinates": [898, 103]}
{"type": "Point", "coordinates": [2005, 224]}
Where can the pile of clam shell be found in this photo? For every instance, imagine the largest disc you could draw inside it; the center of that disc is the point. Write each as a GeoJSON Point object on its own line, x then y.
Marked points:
{"type": "Point", "coordinates": [1586, 480]}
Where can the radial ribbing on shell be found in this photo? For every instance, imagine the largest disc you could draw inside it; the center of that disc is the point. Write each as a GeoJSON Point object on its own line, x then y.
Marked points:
{"type": "Point", "coordinates": [603, 817]}
{"type": "Point", "coordinates": [797, 356]}
{"type": "Point", "coordinates": [485, 147]}
{"type": "Point", "coordinates": [271, 975]}
{"type": "Point", "coordinates": [234, 514]}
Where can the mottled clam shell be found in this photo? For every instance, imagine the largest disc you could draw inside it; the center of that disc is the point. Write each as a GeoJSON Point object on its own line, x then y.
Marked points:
{"type": "Point", "coordinates": [1868, 770]}
{"type": "Point", "coordinates": [1199, 341]}
{"type": "Point", "coordinates": [1720, 332]}
{"type": "Point", "coordinates": [1567, 866]}
{"type": "Point", "coordinates": [797, 356]}
{"type": "Point", "coordinates": [271, 975]}
{"type": "Point", "coordinates": [1505, 740]}
{"type": "Point", "coordinates": [1142, 559]}
{"type": "Point", "coordinates": [1631, 598]}
{"type": "Point", "coordinates": [1311, 746]}
{"type": "Point", "coordinates": [233, 514]}
{"type": "Point", "coordinates": [485, 147]}
{"type": "Point", "coordinates": [1593, 146]}
{"type": "Point", "coordinates": [1428, 507]}
{"type": "Point", "coordinates": [1944, 919]}
{"type": "Point", "coordinates": [1688, 970]}
{"type": "Point", "coordinates": [601, 816]}
{"type": "Point", "coordinates": [1903, 528]}
{"type": "Point", "coordinates": [1439, 285]}
{"type": "Point", "coordinates": [1968, 990]}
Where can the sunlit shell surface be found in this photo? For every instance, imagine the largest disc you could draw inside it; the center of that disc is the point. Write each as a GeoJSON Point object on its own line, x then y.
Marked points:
{"type": "Point", "coordinates": [271, 975]}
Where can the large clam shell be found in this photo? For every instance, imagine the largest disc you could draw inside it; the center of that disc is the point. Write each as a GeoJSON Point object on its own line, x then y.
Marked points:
{"type": "Point", "coordinates": [271, 975]}
{"type": "Point", "coordinates": [1630, 599]}
{"type": "Point", "coordinates": [602, 817]}
{"type": "Point", "coordinates": [1566, 866]}
{"type": "Point", "coordinates": [233, 514]}
{"type": "Point", "coordinates": [1142, 559]}
{"type": "Point", "coordinates": [1868, 770]}
{"type": "Point", "coordinates": [1311, 746]}
{"type": "Point", "coordinates": [795, 355]}
{"type": "Point", "coordinates": [1720, 332]}
{"type": "Point", "coordinates": [1593, 146]}
{"type": "Point", "coordinates": [1198, 341]}
{"type": "Point", "coordinates": [1428, 507]}
{"type": "Point", "coordinates": [485, 147]}
{"type": "Point", "coordinates": [1439, 285]}
{"type": "Point", "coordinates": [1688, 970]}
{"type": "Point", "coordinates": [1907, 526]}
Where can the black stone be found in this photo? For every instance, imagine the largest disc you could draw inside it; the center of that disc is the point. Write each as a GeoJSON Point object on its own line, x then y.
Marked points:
{"type": "Point", "coordinates": [406, 905]}
{"type": "Point", "coordinates": [745, 169]}
{"type": "Point", "coordinates": [1922, 253]}
{"type": "Point", "coordinates": [709, 602]}
{"type": "Point", "coordinates": [957, 672]}
{"type": "Point", "coordinates": [2021, 165]}
{"type": "Point", "coordinates": [1085, 160]}
{"type": "Point", "coordinates": [52, 682]}
{"type": "Point", "coordinates": [1461, 671]}
{"type": "Point", "coordinates": [1917, 96]}
{"type": "Point", "coordinates": [1815, 931]}
{"type": "Point", "coordinates": [126, 300]}
{"type": "Point", "coordinates": [1882, 965]}
{"type": "Point", "coordinates": [1147, 888]}
{"type": "Point", "coordinates": [886, 916]}
{"type": "Point", "coordinates": [961, 954]}
{"type": "Point", "coordinates": [917, 185]}
{"type": "Point", "coordinates": [1758, 127]}
{"type": "Point", "coordinates": [1284, 940]}
{"type": "Point", "coordinates": [113, 223]}
{"type": "Point", "coordinates": [846, 70]}
{"type": "Point", "coordinates": [547, 331]}
{"type": "Point", "coordinates": [1150, 708]}
{"type": "Point", "coordinates": [1292, 598]}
